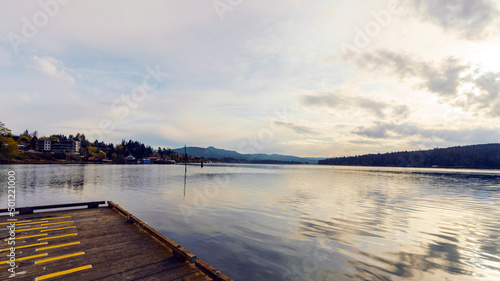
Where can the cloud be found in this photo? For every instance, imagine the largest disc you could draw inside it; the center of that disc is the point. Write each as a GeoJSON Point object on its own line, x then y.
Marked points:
{"type": "Point", "coordinates": [53, 67]}
{"type": "Point", "coordinates": [456, 82]}
{"type": "Point", "coordinates": [297, 128]}
{"type": "Point", "coordinates": [471, 19]}
{"type": "Point", "coordinates": [343, 102]}
{"type": "Point", "coordinates": [401, 111]}
{"type": "Point", "coordinates": [406, 130]}
{"type": "Point", "coordinates": [484, 95]}
{"type": "Point", "coordinates": [442, 79]}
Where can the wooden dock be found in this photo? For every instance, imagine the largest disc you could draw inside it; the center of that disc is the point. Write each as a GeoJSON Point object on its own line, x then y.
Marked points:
{"type": "Point", "coordinates": [94, 243]}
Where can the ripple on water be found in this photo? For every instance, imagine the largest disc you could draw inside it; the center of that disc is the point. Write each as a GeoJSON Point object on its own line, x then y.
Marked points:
{"type": "Point", "coordinates": [265, 222]}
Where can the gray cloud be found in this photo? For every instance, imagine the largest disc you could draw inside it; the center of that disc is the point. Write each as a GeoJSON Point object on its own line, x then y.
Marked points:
{"type": "Point", "coordinates": [297, 128]}
{"type": "Point", "coordinates": [401, 111]}
{"type": "Point", "coordinates": [446, 79]}
{"type": "Point", "coordinates": [466, 136]}
{"type": "Point", "coordinates": [470, 18]}
{"type": "Point", "coordinates": [379, 131]}
{"type": "Point", "coordinates": [442, 79]}
{"type": "Point", "coordinates": [402, 64]}
{"type": "Point", "coordinates": [488, 99]}
{"type": "Point", "coordinates": [340, 101]}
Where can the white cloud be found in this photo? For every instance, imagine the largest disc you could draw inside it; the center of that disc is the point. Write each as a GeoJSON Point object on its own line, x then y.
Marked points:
{"type": "Point", "coordinates": [53, 67]}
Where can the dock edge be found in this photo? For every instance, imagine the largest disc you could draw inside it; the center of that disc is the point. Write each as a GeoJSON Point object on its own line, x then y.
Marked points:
{"type": "Point", "coordinates": [179, 252]}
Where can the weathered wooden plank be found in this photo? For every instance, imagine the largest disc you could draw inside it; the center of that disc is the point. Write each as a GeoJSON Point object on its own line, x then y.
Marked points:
{"type": "Point", "coordinates": [141, 271]}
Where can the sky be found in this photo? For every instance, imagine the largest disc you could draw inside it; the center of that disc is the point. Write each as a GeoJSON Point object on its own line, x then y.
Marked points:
{"type": "Point", "coordinates": [306, 78]}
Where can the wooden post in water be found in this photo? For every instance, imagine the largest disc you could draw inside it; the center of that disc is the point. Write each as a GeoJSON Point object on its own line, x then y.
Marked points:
{"type": "Point", "coordinates": [185, 156]}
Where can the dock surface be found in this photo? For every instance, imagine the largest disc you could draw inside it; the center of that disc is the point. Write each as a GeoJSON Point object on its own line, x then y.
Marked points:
{"type": "Point", "coordinates": [103, 243]}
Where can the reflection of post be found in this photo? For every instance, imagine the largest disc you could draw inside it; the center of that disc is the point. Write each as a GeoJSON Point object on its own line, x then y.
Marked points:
{"type": "Point", "coordinates": [185, 174]}
{"type": "Point", "coordinates": [185, 169]}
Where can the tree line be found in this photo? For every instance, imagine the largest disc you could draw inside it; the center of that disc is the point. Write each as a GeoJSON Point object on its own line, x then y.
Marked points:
{"type": "Point", "coordinates": [21, 148]}
{"type": "Point", "coordinates": [471, 156]}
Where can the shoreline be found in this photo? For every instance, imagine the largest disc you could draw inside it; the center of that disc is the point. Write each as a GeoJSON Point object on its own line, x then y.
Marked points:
{"type": "Point", "coordinates": [64, 162]}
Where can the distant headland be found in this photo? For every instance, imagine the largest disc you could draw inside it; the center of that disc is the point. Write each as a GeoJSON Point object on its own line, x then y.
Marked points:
{"type": "Point", "coordinates": [477, 156]}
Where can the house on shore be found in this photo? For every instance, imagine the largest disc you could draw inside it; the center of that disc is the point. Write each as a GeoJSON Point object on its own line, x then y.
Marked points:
{"type": "Point", "coordinates": [130, 159]}
{"type": "Point", "coordinates": [67, 146]}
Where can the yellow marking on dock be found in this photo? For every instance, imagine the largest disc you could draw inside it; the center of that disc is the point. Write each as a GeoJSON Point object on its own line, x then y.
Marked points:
{"type": "Point", "coordinates": [56, 218]}
{"type": "Point", "coordinates": [26, 237]}
{"type": "Point", "coordinates": [25, 258]}
{"type": "Point", "coordinates": [54, 229]}
{"type": "Point", "coordinates": [52, 223]}
{"type": "Point", "coordinates": [25, 246]}
{"type": "Point", "coordinates": [55, 237]}
{"type": "Point", "coordinates": [13, 222]}
{"type": "Point", "coordinates": [60, 257]}
{"type": "Point", "coordinates": [29, 229]}
{"type": "Point", "coordinates": [36, 222]}
{"type": "Point", "coordinates": [57, 246]}
{"type": "Point", "coordinates": [55, 274]}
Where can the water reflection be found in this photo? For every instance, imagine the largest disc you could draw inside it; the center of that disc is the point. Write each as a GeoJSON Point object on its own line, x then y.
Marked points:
{"type": "Point", "coordinates": [185, 177]}
{"type": "Point", "coordinates": [270, 222]}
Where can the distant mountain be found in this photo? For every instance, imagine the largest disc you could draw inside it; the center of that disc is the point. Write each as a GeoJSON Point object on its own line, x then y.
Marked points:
{"type": "Point", "coordinates": [233, 156]}
{"type": "Point", "coordinates": [471, 156]}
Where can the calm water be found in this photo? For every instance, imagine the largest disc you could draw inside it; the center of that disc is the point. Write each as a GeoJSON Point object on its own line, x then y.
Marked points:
{"type": "Point", "coordinates": [265, 222]}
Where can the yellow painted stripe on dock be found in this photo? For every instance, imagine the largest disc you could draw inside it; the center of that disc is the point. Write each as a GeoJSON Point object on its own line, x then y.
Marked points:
{"type": "Point", "coordinates": [41, 219]}
{"type": "Point", "coordinates": [26, 237]}
{"type": "Point", "coordinates": [60, 257]}
{"type": "Point", "coordinates": [29, 229]}
{"type": "Point", "coordinates": [25, 246]}
{"type": "Point", "coordinates": [13, 222]}
{"type": "Point", "coordinates": [36, 222]}
{"type": "Point", "coordinates": [52, 223]}
{"type": "Point", "coordinates": [55, 237]}
{"type": "Point", "coordinates": [55, 274]}
{"type": "Point", "coordinates": [54, 229]}
{"type": "Point", "coordinates": [56, 218]}
{"type": "Point", "coordinates": [57, 246]}
{"type": "Point", "coordinates": [25, 258]}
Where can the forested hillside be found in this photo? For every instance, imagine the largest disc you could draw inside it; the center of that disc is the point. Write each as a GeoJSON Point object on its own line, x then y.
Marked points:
{"type": "Point", "coordinates": [472, 156]}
